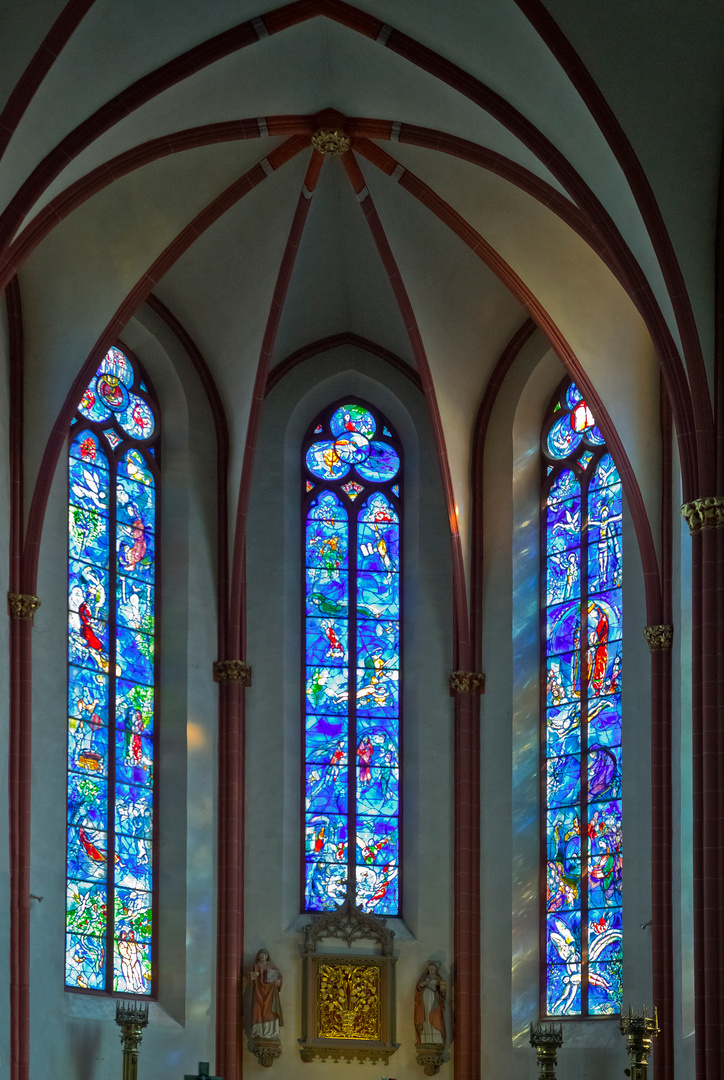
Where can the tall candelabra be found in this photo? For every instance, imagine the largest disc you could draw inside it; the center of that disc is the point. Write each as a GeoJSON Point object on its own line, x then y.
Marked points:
{"type": "Point", "coordinates": [639, 1031]}
{"type": "Point", "coordinates": [132, 1018]}
{"type": "Point", "coordinates": [546, 1038]}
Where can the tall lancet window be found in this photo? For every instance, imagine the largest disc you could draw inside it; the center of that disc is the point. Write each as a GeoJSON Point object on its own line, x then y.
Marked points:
{"type": "Point", "coordinates": [351, 686]}
{"type": "Point", "coordinates": [112, 512]}
{"type": "Point", "coordinates": [581, 738]}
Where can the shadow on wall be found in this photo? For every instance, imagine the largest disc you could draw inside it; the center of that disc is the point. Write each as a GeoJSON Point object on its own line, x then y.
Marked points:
{"type": "Point", "coordinates": [85, 1044]}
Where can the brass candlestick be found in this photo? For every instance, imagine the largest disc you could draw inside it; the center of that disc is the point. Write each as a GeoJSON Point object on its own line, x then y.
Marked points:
{"type": "Point", "coordinates": [639, 1031]}
{"type": "Point", "coordinates": [132, 1018]}
{"type": "Point", "coordinates": [546, 1038]}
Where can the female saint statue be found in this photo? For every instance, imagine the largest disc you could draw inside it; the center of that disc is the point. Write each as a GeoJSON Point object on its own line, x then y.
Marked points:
{"type": "Point", "coordinates": [430, 994]}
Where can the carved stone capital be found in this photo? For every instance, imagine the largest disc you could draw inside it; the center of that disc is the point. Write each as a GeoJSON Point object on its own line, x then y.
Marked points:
{"type": "Point", "coordinates": [232, 671]}
{"type": "Point", "coordinates": [331, 141]}
{"type": "Point", "coordinates": [467, 682]}
{"type": "Point", "coordinates": [266, 1051]}
{"type": "Point", "coordinates": [659, 637]}
{"type": "Point", "coordinates": [22, 605]}
{"type": "Point", "coordinates": [430, 1057]}
{"type": "Point", "coordinates": [704, 513]}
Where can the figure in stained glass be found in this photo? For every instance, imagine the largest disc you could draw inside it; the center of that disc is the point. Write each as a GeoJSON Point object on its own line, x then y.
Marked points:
{"type": "Point", "coordinates": [110, 652]}
{"type": "Point", "coordinates": [352, 610]}
{"type": "Point", "coordinates": [582, 574]}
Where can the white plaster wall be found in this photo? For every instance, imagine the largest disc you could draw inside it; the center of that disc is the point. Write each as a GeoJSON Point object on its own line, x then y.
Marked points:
{"type": "Point", "coordinates": [74, 1034]}
{"type": "Point", "coordinates": [510, 734]}
{"type": "Point", "coordinates": [273, 825]}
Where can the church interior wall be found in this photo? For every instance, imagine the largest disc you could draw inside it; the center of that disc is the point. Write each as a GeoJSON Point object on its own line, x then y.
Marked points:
{"type": "Point", "coordinates": [510, 833]}
{"type": "Point", "coordinates": [4, 650]}
{"type": "Point", "coordinates": [76, 1030]}
{"type": "Point", "coordinates": [272, 896]}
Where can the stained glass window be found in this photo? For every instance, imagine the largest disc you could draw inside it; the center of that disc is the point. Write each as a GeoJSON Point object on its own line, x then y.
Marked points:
{"type": "Point", "coordinates": [112, 530]}
{"type": "Point", "coordinates": [582, 632]}
{"type": "Point", "coordinates": [351, 499]}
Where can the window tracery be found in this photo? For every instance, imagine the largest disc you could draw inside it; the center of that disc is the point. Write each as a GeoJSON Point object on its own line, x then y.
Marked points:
{"type": "Point", "coordinates": [112, 532]}
{"type": "Point", "coordinates": [352, 508]}
{"type": "Point", "coordinates": [581, 529]}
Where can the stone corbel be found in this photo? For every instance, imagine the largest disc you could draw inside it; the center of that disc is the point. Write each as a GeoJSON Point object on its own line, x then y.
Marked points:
{"type": "Point", "coordinates": [22, 606]}
{"type": "Point", "coordinates": [232, 671]}
{"type": "Point", "coordinates": [659, 637]}
{"type": "Point", "coordinates": [467, 682]}
{"type": "Point", "coordinates": [704, 513]}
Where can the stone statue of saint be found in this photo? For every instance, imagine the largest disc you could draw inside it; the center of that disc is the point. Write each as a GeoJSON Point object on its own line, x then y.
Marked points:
{"type": "Point", "coordinates": [430, 994]}
{"type": "Point", "coordinates": [266, 1010]}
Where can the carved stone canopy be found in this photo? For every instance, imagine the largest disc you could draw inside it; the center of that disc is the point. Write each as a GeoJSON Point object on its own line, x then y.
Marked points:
{"type": "Point", "coordinates": [351, 924]}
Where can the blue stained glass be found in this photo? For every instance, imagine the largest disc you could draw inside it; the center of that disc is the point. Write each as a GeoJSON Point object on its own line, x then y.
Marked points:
{"type": "Point", "coordinates": [378, 596]}
{"type": "Point", "coordinates": [136, 549]}
{"type": "Point", "coordinates": [134, 655]}
{"type": "Point", "coordinates": [134, 758]}
{"type": "Point", "coordinates": [326, 838]}
{"type": "Point", "coordinates": [87, 800]}
{"type": "Point", "coordinates": [564, 885]}
{"type": "Point", "coordinates": [87, 748]}
{"type": "Point", "coordinates": [573, 395]}
{"type": "Point", "coordinates": [377, 841]}
{"type": "Point", "coordinates": [87, 853]}
{"type": "Point", "coordinates": [564, 526]}
{"type": "Point", "coordinates": [562, 440]}
{"type": "Point", "coordinates": [137, 418]}
{"type": "Point", "coordinates": [368, 637]}
{"type": "Point", "coordinates": [563, 577]}
{"type": "Point", "coordinates": [326, 790]}
{"type": "Point", "coordinates": [134, 811]}
{"type": "Point", "coordinates": [379, 547]}
{"type": "Point", "coordinates": [327, 641]}
{"type": "Point", "coordinates": [97, 627]}
{"type": "Point", "coordinates": [563, 937]}
{"type": "Point", "coordinates": [135, 499]}
{"type": "Point", "coordinates": [564, 835]}
{"type": "Point", "coordinates": [85, 961]}
{"type": "Point", "coordinates": [378, 690]}
{"type": "Point", "coordinates": [382, 464]}
{"type": "Point", "coordinates": [377, 888]}
{"type": "Point", "coordinates": [327, 690]}
{"type": "Point", "coordinates": [88, 487]}
{"type": "Point", "coordinates": [564, 780]}
{"type": "Point", "coordinates": [133, 862]}
{"type": "Point", "coordinates": [326, 885]}
{"type": "Point", "coordinates": [378, 643]}
{"type": "Point", "coordinates": [135, 604]}
{"type": "Point", "coordinates": [323, 460]}
{"type": "Point", "coordinates": [85, 905]}
{"type": "Point", "coordinates": [583, 727]}
{"type": "Point", "coordinates": [595, 436]}
{"type": "Point", "coordinates": [353, 418]}
{"type": "Point", "coordinates": [134, 707]}
{"type": "Point", "coordinates": [133, 913]}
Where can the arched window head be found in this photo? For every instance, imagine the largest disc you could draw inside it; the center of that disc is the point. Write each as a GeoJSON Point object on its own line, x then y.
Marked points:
{"type": "Point", "coordinates": [351, 467]}
{"type": "Point", "coordinates": [112, 535]}
{"type": "Point", "coordinates": [581, 512]}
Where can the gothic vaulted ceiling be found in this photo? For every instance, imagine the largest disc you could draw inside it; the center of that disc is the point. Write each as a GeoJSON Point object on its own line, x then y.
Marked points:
{"type": "Point", "coordinates": [507, 159]}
